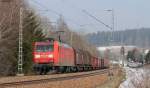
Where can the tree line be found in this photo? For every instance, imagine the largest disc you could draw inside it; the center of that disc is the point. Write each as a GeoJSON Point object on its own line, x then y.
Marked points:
{"type": "Point", "coordinates": [137, 56]}
{"type": "Point", "coordinates": [138, 37]}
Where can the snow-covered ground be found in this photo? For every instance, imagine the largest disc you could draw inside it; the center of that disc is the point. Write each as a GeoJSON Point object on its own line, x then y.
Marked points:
{"type": "Point", "coordinates": [135, 77]}
{"type": "Point", "coordinates": [115, 48]}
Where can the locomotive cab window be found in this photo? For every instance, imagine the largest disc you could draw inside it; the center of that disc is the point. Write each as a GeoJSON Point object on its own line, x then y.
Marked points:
{"type": "Point", "coordinates": [44, 48]}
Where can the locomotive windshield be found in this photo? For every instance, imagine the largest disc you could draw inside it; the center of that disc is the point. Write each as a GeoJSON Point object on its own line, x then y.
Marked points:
{"type": "Point", "coordinates": [44, 48]}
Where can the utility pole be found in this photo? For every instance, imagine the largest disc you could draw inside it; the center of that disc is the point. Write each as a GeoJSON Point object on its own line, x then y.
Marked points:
{"type": "Point", "coordinates": [59, 35]}
{"type": "Point", "coordinates": [20, 52]}
{"type": "Point", "coordinates": [113, 24]}
{"type": "Point", "coordinates": [122, 52]}
{"type": "Point", "coordinates": [71, 38]}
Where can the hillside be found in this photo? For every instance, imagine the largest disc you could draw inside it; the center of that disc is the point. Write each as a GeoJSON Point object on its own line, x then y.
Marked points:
{"type": "Point", "coordinates": [137, 37]}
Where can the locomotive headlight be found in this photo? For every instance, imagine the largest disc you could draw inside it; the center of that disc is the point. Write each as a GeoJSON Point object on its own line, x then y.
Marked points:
{"type": "Point", "coordinates": [50, 56]}
{"type": "Point", "coordinates": [37, 56]}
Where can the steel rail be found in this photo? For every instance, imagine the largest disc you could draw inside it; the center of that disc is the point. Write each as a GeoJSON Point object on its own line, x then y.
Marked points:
{"type": "Point", "coordinates": [54, 79]}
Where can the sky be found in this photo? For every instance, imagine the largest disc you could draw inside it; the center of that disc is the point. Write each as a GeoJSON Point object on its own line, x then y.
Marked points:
{"type": "Point", "coordinates": [128, 14]}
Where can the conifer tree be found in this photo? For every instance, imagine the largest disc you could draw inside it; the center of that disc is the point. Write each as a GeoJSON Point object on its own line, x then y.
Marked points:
{"type": "Point", "coordinates": [32, 32]}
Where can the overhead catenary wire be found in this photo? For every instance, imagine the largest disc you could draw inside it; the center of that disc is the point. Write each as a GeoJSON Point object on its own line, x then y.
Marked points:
{"type": "Point", "coordinates": [97, 19]}
{"type": "Point", "coordinates": [77, 8]}
{"type": "Point", "coordinates": [56, 13]}
{"type": "Point", "coordinates": [94, 17]}
{"type": "Point", "coordinates": [46, 7]}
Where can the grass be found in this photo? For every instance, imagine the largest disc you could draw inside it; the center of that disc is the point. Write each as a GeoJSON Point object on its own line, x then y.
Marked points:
{"type": "Point", "coordinates": [115, 80]}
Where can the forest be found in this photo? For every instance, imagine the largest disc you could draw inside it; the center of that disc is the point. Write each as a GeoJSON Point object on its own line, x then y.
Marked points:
{"type": "Point", "coordinates": [138, 37]}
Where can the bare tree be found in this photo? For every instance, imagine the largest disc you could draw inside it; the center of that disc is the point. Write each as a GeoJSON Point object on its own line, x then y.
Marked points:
{"type": "Point", "coordinates": [74, 39]}
{"type": "Point", "coordinates": [9, 24]}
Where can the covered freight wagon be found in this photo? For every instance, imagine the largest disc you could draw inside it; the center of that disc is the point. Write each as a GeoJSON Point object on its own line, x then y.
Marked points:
{"type": "Point", "coordinates": [104, 63]}
{"type": "Point", "coordinates": [87, 58]}
{"type": "Point", "coordinates": [83, 58]}
{"type": "Point", "coordinates": [79, 57]}
{"type": "Point", "coordinates": [94, 62]}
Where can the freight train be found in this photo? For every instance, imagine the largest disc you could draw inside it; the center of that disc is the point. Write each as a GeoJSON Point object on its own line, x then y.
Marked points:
{"type": "Point", "coordinates": [53, 55]}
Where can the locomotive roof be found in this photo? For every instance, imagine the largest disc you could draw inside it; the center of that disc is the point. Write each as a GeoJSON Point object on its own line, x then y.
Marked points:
{"type": "Point", "coordinates": [43, 43]}
{"type": "Point", "coordinates": [52, 42]}
{"type": "Point", "coordinates": [65, 45]}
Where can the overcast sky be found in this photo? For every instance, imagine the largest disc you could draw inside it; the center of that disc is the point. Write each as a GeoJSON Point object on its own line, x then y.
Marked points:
{"type": "Point", "coordinates": [128, 13]}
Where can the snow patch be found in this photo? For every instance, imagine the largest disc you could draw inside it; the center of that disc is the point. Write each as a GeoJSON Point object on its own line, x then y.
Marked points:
{"type": "Point", "coordinates": [134, 77]}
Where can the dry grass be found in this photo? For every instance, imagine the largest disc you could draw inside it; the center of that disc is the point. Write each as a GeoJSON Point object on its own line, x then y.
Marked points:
{"type": "Point", "coordinates": [85, 82]}
{"type": "Point", "coordinates": [38, 77]}
{"type": "Point", "coordinates": [115, 80]}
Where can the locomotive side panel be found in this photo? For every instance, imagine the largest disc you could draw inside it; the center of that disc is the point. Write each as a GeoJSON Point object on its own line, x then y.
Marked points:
{"type": "Point", "coordinates": [66, 55]}
{"type": "Point", "coordinates": [56, 53]}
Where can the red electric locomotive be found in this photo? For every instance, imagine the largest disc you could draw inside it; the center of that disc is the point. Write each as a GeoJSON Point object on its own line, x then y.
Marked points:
{"type": "Point", "coordinates": [54, 55]}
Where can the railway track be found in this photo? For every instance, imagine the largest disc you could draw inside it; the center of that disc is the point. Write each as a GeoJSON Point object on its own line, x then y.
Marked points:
{"type": "Point", "coordinates": [3, 85]}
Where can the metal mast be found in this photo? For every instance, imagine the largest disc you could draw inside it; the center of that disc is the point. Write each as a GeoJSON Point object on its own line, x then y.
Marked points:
{"type": "Point", "coordinates": [113, 26]}
{"type": "Point", "coordinates": [20, 52]}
